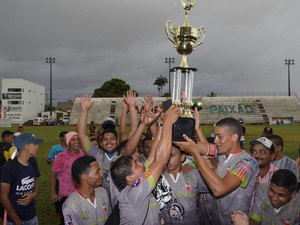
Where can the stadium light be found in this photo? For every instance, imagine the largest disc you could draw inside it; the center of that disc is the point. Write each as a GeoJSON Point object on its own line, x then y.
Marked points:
{"type": "Point", "coordinates": [50, 61]}
{"type": "Point", "coordinates": [170, 61]}
{"type": "Point", "coordinates": [289, 62]}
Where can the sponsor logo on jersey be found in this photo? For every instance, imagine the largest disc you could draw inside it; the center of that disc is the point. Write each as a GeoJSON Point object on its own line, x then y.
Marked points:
{"type": "Point", "coordinates": [69, 220]}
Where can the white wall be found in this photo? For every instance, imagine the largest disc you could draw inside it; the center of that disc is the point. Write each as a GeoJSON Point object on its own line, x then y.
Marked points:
{"type": "Point", "coordinates": [22, 100]}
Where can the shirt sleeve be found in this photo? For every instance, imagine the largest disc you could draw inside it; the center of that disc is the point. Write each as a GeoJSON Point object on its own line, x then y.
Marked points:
{"type": "Point", "coordinates": [51, 153]}
{"type": "Point", "coordinates": [6, 175]}
{"type": "Point", "coordinates": [56, 167]}
{"type": "Point", "coordinates": [140, 191]}
{"type": "Point", "coordinates": [70, 216]}
{"type": "Point", "coordinates": [244, 170]}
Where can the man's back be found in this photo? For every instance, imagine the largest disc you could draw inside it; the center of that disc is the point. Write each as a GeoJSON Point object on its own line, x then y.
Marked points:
{"type": "Point", "coordinates": [286, 163]}
{"type": "Point", "coordinates": [138, 205]}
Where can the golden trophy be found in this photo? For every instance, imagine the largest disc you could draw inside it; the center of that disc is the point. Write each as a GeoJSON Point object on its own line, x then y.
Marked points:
{"type": "Point", "coordinates": [185, 39]}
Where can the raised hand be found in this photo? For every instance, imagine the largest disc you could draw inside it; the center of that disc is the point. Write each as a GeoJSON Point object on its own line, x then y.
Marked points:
{"type": "Point", "coordinates": [130, 97]}
{"type": "Point", "coordinates": [148, 103]}
{"type": "Point", "coordinates": [149, 116]}
{"type": "Point", "coordinates": [86, 102]}
{"type": "Point", "coordinates": [188, 146]}
{"type": "Point", "coordinates": [171, 115]}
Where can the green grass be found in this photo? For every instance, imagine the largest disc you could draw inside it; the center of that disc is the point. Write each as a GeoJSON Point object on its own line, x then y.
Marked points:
{"type": "Point", "coordinates": [45, 208]}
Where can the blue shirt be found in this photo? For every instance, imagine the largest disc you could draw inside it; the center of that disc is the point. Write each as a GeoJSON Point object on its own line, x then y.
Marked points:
{"type": "Point", "coordinates": [55, 150]}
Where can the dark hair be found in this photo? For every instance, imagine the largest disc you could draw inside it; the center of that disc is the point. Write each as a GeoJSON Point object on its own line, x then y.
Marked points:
{"type": "Point", "coordinates": [6, 133]}
{"type": "Point", "coordinates": [285, 179]}
{"type": "Point", "coordinates": [277, 140]}
{"type": "Point", "coordinates": [62, 134]}
{"type": "Point", "coordinates": [81, 166]}
{"type": "Point", "coordinates": [142, 143]}
{"type": "Point", "coordinates": [119, 170]}
{"type": "Point", "coordinates": [267, 132]}
{"type": "Point", "coordinates": [234, 125]}
{"type": "Point", "coordinates": [95, 139]}
{"type": "Point", "coordinates": [109, 131]}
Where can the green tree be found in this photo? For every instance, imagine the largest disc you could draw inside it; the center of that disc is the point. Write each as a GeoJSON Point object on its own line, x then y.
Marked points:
{"type": "Point", "coordinates": [160, 82]}
{"type": "Point", "coordinates": [112, 88]}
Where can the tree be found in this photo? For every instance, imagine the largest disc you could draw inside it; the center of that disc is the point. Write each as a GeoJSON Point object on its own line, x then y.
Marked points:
{"type": "Point", "coordinates": [160, 82]}
{"type": "Point", "coordinates": [112, 88]}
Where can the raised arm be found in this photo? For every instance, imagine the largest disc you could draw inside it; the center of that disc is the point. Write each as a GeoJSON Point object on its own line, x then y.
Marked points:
{"type": "Point", "coordinates": [200, 135]}
{"type": "Point", "coordinates": [130, 99]}
{"type": "Point", "coordinates": [135, 138]}
{"type": "Point", "coordinates": [154, 144]}
{"type": "Point", "coordinates": [122, 124]}
{"type": "Point", "coordinates": [86, 104]}
{"type": "Point", "coordinates": [163, 150]}
{"type": "Point", "coordinates": [148, 104]}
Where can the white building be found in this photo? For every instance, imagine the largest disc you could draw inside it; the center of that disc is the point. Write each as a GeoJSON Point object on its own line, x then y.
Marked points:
{"type": "Point", "coordinates": [22, 100]}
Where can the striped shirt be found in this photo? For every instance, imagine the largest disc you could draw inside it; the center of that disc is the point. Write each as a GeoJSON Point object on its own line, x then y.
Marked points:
{"type": "Point", "coordinates": [287, 163]}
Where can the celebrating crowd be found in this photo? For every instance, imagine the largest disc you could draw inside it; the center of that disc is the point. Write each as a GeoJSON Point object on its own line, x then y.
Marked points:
{"type": "Point", "coordinates": [141, 176]}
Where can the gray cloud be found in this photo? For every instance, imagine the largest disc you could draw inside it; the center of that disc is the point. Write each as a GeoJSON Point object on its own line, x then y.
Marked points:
{"type": "Point", "coordinates": [244, 50]}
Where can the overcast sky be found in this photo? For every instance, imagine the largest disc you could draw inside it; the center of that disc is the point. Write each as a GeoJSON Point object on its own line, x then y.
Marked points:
{"type": "Point", "coordinates": [244, 49]}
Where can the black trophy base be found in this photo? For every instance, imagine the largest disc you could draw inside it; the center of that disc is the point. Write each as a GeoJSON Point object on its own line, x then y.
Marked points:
{"type": "Point", "coordinates": [183, 126]}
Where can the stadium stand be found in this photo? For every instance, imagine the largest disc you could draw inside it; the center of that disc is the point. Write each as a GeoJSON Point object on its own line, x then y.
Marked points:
{"type": "Point", "coordinates": [253, 109]}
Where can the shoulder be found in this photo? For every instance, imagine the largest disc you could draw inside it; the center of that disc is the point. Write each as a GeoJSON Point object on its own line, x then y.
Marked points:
{"type": "Point", "coordinates": [72, 200]}
{"type": "Point", "coordinates": [9, 164]}
{"type": "Point", "coordinates": [62, 154]}
{"type": "Point", "coordinates": [55, 146]}
{"type": "Point", "coordinates": [262, 189]}
{"type": "Point", "coordinates": [101, 190]}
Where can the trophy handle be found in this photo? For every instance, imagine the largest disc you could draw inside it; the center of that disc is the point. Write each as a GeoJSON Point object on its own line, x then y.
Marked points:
{"type": "Point", "coordinates": [200, 37]}
{"type": "Point", "coordinates": [168, 28]}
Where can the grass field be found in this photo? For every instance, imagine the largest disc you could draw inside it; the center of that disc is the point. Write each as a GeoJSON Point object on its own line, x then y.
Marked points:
{"type": "Point", "coordinates": [45, 208]}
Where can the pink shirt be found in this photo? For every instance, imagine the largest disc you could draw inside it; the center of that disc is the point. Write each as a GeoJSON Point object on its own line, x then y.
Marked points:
{"type": "Point", "coordinates": [267, 178]}
{"type": "Point", "coordinates": [62, 167]}
{"type": "Point", "coordinates": [263, 180]}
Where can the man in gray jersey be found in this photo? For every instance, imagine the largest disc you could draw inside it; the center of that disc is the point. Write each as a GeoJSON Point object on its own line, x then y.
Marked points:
{"type": "Point", "coordinates": [232, 183]}
{"type": "Point", "coordinates": [136, 184]}
{"type": "Point", "coordinates": [89, 204]}
{"type": "Point", "coordinates": [277, 203]}
{"type": "Point", "coordinates": [281, 161]}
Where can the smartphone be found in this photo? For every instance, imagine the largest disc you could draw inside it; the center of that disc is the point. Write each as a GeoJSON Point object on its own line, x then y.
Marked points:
{"type": "Point", "coordinates": [167, 104]}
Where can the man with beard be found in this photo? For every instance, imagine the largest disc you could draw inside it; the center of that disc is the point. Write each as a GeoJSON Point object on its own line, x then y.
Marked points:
{"type": "Point", "coordinates": [89, 204]}
{"type": "Point", "coordinates": [262, 150]}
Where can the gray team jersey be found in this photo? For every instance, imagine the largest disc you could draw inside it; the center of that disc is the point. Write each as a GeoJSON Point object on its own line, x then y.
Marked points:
{"type": "Point", "coordinates": [177, 197]}
{"type": "Point", "coordinates": [111, 189]}
{"type": "Point", "coordinates": [287, 163]}
{"type": "Point", "coordinates": [102, 158]}
{"type": "Point", "coordinates": [78, 210]}
{"type": "Point", "coordinates": [246, 169]}
{"type": "Point", "coordinates": [137, 204]}
{"type": "Point", "coordinates": [264, 212]}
